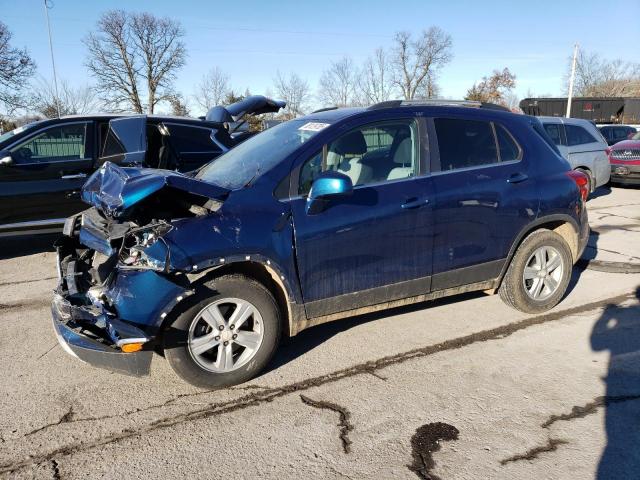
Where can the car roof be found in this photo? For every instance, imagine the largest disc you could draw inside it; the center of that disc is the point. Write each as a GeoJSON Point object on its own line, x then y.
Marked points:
{"type": "Point", "coordinates": [111, 116]}
{"type": "Point", "coordinates": [336, 114]}
{"type": "Point", "coordinates": [569, 121]}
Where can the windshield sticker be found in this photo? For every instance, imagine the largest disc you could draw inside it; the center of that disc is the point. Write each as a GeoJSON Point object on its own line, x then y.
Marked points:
{"type": "Point", "coordinates": [314, 126]}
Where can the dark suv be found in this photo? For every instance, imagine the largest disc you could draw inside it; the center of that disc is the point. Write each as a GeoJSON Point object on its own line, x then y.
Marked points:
{"type": "Point", "coordinates": [339, 213]}
{"type": "Point", "coordinates": [44, 165]}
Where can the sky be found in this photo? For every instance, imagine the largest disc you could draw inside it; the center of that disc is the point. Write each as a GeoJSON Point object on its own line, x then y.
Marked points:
{"type": "Point", "coordinates": [252, 40]}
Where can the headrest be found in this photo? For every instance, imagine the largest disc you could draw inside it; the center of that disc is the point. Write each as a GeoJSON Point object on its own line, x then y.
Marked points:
{"type": "Point", "coordinates": [403, 155]}
{"type": "Point", "coordinates": [350, 144]}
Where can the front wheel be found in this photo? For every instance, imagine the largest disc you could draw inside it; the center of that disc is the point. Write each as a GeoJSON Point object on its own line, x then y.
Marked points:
{"type": "Point", "coordinates": [227, 336]}
{"type": "Point", "coordinates": [539, 273]}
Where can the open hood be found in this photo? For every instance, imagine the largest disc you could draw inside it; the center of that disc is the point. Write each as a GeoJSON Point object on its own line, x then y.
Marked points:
{"type": "Point", "coordinates": [113, 190]}
{"type": "Point", "coordinates": [252, 105]}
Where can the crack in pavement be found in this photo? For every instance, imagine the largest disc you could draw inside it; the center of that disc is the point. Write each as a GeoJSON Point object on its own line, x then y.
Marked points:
{"type": "Point", "coordinates": [613, 251]}
{"type": "Point", "coordinates": [533, 453]}
{"type": "Point", "coordinates": [270, 394]}
{"type": "Point", "coordinates": [66, 418]}
{"type": "Point", "coordinates": [345, 425]}
{"type": "Point", "coordinates": [26, 304]}
{"type": "Point", "coordinates": [20, 282]}
{"type": "Point", "coordinates": [588, 409]}
{"type": "Point", "coordinates": [56, 470]}
{"type": "Point", "coordinates": [425, 442]}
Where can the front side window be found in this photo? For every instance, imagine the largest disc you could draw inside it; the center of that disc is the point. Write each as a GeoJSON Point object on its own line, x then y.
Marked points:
{"type": "Point", "coordinates": [56, 144]}
{"type": "Point", "coordinates": [465, 143]}
{"type": "Point", "coordinates": [578, 135]}
{"type": "Point", "coordinates": [553, 130]}
{"type": "Point", "coordinates": [369, 154]}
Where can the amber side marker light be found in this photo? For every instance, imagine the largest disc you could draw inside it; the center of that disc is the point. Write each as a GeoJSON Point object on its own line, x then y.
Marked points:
{"type": "Point", "coordinates": [132, 347]}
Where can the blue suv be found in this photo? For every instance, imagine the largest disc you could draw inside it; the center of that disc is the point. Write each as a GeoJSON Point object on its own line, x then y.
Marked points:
{"type": "Point", "coordinates": [341, 212]}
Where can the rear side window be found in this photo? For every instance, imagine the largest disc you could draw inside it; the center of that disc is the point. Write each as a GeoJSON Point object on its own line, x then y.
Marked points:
{"type": "Point", "coordinates": [553, 130]}
{"type": "Point", "coordinates": [187, 139]}
{"type": "Point", "coordinates": [465, 143]}
{"type": "Point", "coordinates": [509, 149]}
{"type": "Point", "coordinates": [578, 135]}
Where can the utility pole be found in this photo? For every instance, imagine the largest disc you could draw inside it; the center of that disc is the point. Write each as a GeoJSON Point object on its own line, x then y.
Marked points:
{"type": "Point", "coordinates": [571, 79]}
{"type": "Point", "coordinates": [53, 63]}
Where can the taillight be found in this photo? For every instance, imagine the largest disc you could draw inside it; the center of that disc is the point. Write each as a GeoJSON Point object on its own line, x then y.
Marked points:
{"type": "Point", "coordinates": [582, 181]}
{"type": "Point", "coordinates": [608, 151]}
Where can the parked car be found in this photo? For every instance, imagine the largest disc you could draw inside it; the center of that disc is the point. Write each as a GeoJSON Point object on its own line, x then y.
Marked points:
{"type": "Point", "coordinates": [616, 133]}
{"type": "Point", "coordinates": [580, 142]}
{"type": "Point", "coordinates": [625, 161]}
{"type": "Point", "coordinates": [338, 213]}
{"type": "Point", "coordinates": [44, 165]}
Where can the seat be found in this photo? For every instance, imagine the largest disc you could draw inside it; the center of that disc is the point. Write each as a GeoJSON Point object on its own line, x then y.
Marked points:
{"type": "Point", "coordinates": [352, 143]}
{"type": "Point", "coordinates": [403, 157]}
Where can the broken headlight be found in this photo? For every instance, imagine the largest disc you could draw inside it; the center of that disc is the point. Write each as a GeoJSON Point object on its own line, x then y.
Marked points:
{"type": "Point", "coordinates": [144, 248]}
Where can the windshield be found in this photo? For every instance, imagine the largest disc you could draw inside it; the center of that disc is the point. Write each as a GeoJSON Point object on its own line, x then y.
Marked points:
{"type": "Point", "coordinates": [259, 154]}
{"type": "Point", "coordinates": [11, 133]}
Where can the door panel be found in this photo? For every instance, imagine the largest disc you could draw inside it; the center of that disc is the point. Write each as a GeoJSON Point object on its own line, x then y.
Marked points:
{"type": "Point", "coordinates": [478, 210]}
{"type": "Point", "coordinates": [374, 245]}
{"type": "Point", "coordinates": [46, 175]}
{"type": "Point", "coordinates": [365, 242]}
{"type": "Point", "coordinates": [126, 141]}
{"type": "Point", "coordinates": [192, 146]}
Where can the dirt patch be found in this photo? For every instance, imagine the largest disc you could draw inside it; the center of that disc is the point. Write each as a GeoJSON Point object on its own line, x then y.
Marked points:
{"type": "Point", "coordinates": [345, 416]}
{"type": "Point", "coordinates": [533, 453]}
{"type": "Point", "coordinates": [425, 442]}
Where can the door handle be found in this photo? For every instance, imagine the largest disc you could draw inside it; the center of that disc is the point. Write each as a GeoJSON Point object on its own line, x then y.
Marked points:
{"type": "Point", "coordinates": [74, 176]}
{"type": "Point", "coordinates": [517, 178]}
{"type": "Point", "coordinates": [415, 203]}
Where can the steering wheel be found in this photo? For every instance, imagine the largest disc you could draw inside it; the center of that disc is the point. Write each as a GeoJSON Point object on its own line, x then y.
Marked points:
{"type": "Point", "coordinates": [25, 153]}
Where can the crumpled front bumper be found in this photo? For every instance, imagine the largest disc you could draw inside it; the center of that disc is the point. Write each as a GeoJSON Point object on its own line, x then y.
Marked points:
{"type": "Point", "coordinates": [69, 322]}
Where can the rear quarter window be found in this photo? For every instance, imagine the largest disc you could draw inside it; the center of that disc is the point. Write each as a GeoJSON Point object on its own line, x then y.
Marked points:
{"type": "Point", "coordinates": [578, 136]}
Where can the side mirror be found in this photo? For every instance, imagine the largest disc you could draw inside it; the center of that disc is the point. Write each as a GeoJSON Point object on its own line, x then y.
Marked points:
{"type": "Point", "coordinates": [5, 159]}
{"type": "Point", "coordinates": [327, 185]}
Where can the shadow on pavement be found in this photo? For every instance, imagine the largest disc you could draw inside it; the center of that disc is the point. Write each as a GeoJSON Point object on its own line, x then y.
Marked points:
{"type": "Point", "coordinates": [618, 331]}
{"type": "Point", "coordinates": [600, 192]}
{"type": "Point", "coordinates": [26, 245]}
{"type": "Point", "coordinates": [314, 336]}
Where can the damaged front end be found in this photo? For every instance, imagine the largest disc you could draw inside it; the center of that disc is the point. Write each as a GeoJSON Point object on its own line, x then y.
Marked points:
{"type": "Point", "coordinates": [116, 276]}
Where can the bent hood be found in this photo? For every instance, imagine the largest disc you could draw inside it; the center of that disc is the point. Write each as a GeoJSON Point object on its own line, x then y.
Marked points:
{"type": "Point", "coordinates": [113, 190]}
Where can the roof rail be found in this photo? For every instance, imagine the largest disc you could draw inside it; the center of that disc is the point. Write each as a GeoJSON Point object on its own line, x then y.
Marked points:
{"type": "Point", "coordinates": [325, 109]}
{"type": "Point", "coordinates": [437, 102]}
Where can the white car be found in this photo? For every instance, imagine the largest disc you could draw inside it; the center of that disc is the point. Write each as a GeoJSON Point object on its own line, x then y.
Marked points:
{"type": "Point", "coordinates": [582, 144]}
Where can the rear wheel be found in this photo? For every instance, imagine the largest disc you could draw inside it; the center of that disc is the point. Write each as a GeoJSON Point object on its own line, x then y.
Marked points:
{"type": "Point", "coordinates": [539, 273]}
{"type": "Point", "coordinates": [227, 336]}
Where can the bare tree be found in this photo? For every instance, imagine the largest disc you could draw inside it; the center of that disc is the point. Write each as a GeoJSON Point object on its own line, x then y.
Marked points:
{"type": "Point", "coordinates": [131, 51]}
{"type": "Point", "coordinates": [417, 62]}
{"type": "Point", "coordinates": [179, 105]}
{"type": "Point", "coordinates": [375, 83]}
{"type": "Point", "coordinates": [293, 90]}
{"type": "Point", "coordinates": [338, 84]}
{"type": "Point", "coordinates": [16, 67]}
{"type": "Point", "coordinates": [598, 77]}
{"type": "Point", "coordinates": [72, 100]}
{"type": "Point", "coordinates": [212, 88]}
{"type": "Point", "coordinates": [493, 89]}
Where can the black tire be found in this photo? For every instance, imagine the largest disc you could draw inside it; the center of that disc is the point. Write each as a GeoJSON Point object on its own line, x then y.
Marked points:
{"type": "Point", "coordinates": [512, 289]}
{"type": "Point", "coordinates": [175, 338]}
{"type": "Point", "coordinates": [589, 178]}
